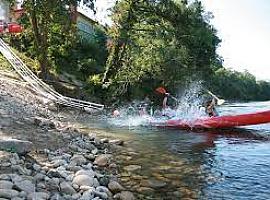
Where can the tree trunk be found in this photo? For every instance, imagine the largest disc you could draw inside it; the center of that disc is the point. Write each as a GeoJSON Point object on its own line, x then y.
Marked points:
{"type": "Point", "coordinates": [40, 41]}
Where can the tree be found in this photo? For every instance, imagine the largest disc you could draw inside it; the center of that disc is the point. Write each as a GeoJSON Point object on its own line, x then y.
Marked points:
{"type": "Point", "coordinates": [159, 42]}
{"type": "Point", "coordinates": [51, 21]}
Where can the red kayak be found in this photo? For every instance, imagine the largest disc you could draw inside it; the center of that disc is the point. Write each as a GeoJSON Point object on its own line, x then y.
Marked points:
{"type": "Point", "coordinates": [228, 121]}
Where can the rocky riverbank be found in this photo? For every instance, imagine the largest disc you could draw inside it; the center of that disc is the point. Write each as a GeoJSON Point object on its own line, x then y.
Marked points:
{"type": "Point", "coordinates": [44, 156]}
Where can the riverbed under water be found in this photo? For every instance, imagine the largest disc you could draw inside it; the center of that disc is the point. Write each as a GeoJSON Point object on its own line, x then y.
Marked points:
{"type": "Point", "coordinates": [182, 164]}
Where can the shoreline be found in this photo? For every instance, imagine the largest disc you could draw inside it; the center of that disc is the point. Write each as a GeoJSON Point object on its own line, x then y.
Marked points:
{"type": "Point", "coordinates": [44, 156]}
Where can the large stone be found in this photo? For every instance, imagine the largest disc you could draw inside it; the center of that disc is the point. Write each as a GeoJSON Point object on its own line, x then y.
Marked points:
{"type": "Point", "coordinates": [66, 188]}
{"type": "Point", "coordinates": [83, 180]}
{"type": "Point", "coordinates": [102, 160]}
{"type": "Point", "coordinates": [124, 195]}
{"type": "Point", "coordinates": [6, 184]}
{"type": "Point", "coordinates": [26, 186]}
{"type": "Point", "coordinates": [153, 183]}
{"type": "Point", "coordinates": [115, 187]}
{"type": "Point", "coordinates": [8, 193]}
{"type": "Point", "coordinates": [14, 145]}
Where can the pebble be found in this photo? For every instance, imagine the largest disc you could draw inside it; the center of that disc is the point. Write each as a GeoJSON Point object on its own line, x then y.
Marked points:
{"type": "Point", "coordinates": [131, 168]}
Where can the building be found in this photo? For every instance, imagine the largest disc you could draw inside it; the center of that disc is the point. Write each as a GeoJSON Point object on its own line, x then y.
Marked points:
{"type": "Point", "coordinates": [85, 24]}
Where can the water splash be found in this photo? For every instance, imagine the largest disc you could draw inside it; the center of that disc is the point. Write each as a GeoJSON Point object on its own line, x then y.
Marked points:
{"type": "Point", "coordinates": [189, 109]}
{"type": "Point", "coordinates": [191, 101]}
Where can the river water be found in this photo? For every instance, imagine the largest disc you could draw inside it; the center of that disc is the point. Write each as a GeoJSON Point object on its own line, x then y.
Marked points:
{"type": "Point", "coordinates": [181, 164]}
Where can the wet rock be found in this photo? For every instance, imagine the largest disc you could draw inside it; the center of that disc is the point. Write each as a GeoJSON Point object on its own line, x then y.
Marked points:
{"type": "Point", "coordinates": [124, 195]}
{"type": "Point", "coordinates": [25, 185]}
{"type": "Point", "coordinates": [153, 183]}
{"type": "Point", "coordinates": [66, 188]}
{"type": "Point", "coordinates": [83, 180]}
{"type": "Point", "coordinates": [116, 141]}
{"type": "Point", "coordinates": [8, 193]}
{"type": "Point", "coordinates": [145, 190]}
{"type": "Point", "coordinates": [102, 160]}
{"type": "Point", "coordinates": [115, 187]}
{"type": "Point", "coordinates": [38, 195]}
{"type": "Point", "coordinates": [132, 168]}
{"type": "Point", "coordinates": [14, 145]}
{"type": "Point", "coordinates": [6, 184]}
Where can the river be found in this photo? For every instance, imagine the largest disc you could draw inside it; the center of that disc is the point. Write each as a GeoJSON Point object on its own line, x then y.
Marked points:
{"type": "Point", "coordinates": [181, 164]}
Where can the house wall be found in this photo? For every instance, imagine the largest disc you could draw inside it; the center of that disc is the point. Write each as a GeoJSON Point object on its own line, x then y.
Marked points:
{"type": "Point", "coordinates": [86, 27]}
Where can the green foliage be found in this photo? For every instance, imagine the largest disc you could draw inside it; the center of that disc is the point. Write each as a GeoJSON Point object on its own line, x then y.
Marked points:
{"type": "Point", "coordinates": [158, 42]}
{"type": "Point", "coordinates": [151, 43]}
{"type": "Point", "coordinates": [235, 85]}
{"type": "Point", "coordinates": [4, 64]}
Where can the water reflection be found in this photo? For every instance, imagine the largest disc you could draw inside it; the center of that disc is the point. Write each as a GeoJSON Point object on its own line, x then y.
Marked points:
{"type": "Point", "coordinates": [179, 164]}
